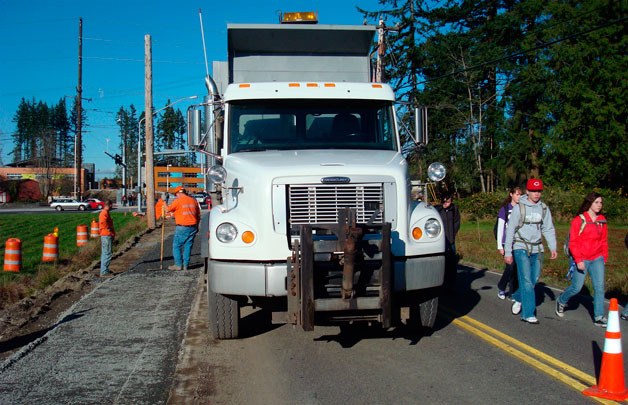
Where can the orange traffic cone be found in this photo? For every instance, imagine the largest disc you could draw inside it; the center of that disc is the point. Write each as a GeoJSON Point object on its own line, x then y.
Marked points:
{"type": "Point", "coordinates": [611, 384]}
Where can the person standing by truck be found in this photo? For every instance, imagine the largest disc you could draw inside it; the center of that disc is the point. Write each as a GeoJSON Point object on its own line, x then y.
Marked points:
{"type": "Point", "coordinates": [451, 223]}
{"type": "Point", "coordinates": [187, 216]}
{"type": "Point", "coordinates": [530, 220]}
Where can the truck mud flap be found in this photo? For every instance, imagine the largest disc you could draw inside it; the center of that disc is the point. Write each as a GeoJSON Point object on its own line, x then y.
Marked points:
{"type": "Point", "coordinates": [352, 298]}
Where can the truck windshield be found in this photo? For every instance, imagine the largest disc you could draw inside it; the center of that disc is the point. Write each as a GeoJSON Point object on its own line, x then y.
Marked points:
{"type": "Point", "coordinates": [258, 125]}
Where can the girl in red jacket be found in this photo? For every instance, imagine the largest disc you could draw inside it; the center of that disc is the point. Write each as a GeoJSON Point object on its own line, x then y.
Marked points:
{"type": "Point", "coordinates": [588, 244]}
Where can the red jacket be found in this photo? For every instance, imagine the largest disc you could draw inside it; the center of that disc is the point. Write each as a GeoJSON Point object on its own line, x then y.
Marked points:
{"type": "Point", "coordinates": [592, 242]}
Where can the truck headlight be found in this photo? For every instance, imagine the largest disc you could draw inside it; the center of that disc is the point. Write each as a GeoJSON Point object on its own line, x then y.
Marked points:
{"type": "Point", "coordinates": [432, 227]}
{"type": "Point", "coordinates": [217, 174]}
{"type": "Point", "coordinates": [226, 232]}
{"type": "Point", "coordinates": [436, 171]}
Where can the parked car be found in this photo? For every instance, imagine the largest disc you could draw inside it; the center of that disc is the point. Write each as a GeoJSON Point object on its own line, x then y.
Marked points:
{"type": "Point", "coordinates": [61, 204]}
{"type": "Point", "coordinates": [203, 199]}
{"type": "Point", "coordinates": [95, 203]}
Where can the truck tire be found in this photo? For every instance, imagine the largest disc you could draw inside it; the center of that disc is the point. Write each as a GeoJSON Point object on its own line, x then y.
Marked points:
{"type": "Point", "coordinates": [224, 316]}
{"type": "Point", "coordinates": [428, 311]}
{"type": "Point", "coordinates": [423, 307]}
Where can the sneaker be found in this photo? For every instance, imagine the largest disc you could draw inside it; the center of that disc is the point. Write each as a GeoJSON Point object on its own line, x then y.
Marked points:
{"type": "Point", "coordinates": [516, 308]}
{"type": "Point", "coordinates": [560, 309]}
{"type": "Point", "coordinates": [532, 320]}
{"type": "Point", "coordinates": [601, 322]}
{"type": "Point", "coordinates": [174, 267]}
{"type": "Point", "coordinates": [501, 295]}
{"type": "Point", "coordinates": [185, 268]}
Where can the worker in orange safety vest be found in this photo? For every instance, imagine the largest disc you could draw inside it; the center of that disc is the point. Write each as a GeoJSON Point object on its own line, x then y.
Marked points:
{"type": "Point", "coordinates": [187, 216]}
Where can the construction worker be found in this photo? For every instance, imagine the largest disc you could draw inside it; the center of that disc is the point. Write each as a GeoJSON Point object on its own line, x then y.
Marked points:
{"type": "Point", "coordinates": [187, 216]}
{"type": "Point", "coordinates": [159, 207]}
{"type": "Point", "coordinates": [107, 234]}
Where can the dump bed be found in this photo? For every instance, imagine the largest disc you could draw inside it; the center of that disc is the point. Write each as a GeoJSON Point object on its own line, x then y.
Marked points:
{"type": "Point", "coordinates": [285, 53]}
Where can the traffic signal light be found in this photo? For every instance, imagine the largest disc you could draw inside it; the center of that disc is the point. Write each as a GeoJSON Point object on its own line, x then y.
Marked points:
{"type": "Point", "coordinates": [118, 159]}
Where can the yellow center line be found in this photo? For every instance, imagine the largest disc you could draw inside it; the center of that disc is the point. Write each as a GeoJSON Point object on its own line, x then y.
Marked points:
{"type": "Point", "coordinates": [555, 368]}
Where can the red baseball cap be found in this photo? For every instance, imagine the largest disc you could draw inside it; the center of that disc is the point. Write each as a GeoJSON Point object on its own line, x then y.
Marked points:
{"type": "Point", "coordinates": [534, 185]}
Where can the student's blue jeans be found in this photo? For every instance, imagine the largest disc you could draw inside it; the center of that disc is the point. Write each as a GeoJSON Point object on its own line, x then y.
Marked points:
{"type": "Point", "coordinates": [528, 272]}
{"type": "Point", "coordinates": [182, 244]}
{"type": "Point", "coordinates": [595, 268]}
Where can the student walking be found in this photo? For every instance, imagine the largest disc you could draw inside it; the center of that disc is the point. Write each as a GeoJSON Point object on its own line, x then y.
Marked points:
{"type": "Point", "coordinates": [508, 278]}
{"type": "Point", "coordinates": [530, 220]}
{"type": "Point", "coordinates": [588, 245]}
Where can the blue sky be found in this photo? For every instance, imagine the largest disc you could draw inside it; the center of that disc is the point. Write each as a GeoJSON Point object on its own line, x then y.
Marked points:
{"type": "Point", "coordinates": [39, 55]}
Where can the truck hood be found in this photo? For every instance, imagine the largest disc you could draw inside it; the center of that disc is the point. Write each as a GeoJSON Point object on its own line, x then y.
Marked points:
{"type": "Point", "coordinates": [315, 162]}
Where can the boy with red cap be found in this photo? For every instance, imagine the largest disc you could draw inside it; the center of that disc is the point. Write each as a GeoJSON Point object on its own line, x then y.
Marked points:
{"type": "Point", "coordinates": [533, 220]}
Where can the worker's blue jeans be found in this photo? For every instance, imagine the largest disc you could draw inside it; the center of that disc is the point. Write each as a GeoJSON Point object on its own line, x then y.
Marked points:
{"type": "Point", "coordinates": [528, 272]}
{"type": "Point", "coordinates": [595, 268]}
{"type": "Point", "coordinates": [106, 253]}
{"type": "Point", "coordinates": [182, 244]}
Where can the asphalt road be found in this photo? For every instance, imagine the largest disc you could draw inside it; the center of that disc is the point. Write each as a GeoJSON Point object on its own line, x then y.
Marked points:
{"type": "Point", "coordinates": [124, 343]}
{"type": "Point", "coordinates": [478, 353]}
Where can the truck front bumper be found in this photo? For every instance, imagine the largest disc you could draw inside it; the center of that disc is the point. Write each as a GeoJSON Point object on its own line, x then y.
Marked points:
{"type": "Point", "coordinates": [269, 279]}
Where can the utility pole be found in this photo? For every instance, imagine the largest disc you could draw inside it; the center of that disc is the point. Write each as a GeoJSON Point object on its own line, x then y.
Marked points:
{"type": "Point", "coordinates": [124, 159]}
{"type": "Point", "coordinates": [148, 107]}
{"type": "Point", "coordinates": [78, 146]}
{"type": "Point", "coordinates": [381, 50]}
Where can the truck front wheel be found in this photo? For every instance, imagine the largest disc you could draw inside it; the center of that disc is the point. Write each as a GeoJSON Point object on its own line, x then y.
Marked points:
{"type": "Point", "coordinates": [423, 308]}
{"type": "Point", "coordinates": [224, 315]}
{"type": "Point", "coordinates": [428, 311]}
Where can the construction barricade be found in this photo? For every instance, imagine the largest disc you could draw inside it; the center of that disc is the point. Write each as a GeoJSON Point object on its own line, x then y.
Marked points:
{"type": "Point", "coordinates": [13, 255]}
{"type": "Point", "coordinates": [51, 248]}
{"type": "Point", "coordinates": [81, 235]}
{"type": "Point", "coordinates": [94, 229]}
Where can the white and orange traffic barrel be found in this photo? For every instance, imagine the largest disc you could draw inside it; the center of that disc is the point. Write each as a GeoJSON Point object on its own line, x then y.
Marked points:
{"type": "Point", "coordinates": [81, 235]}
{"type": "Point", "coordinates": [13, 255]}
{"type": "Point", "coordinates": [51, 248]}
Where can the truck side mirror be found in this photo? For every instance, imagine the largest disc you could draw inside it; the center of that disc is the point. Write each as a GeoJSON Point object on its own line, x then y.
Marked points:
{"type": "Point", "coordinates": [420, 125]}
{"type": "Point", "coordinates": [194, 128]}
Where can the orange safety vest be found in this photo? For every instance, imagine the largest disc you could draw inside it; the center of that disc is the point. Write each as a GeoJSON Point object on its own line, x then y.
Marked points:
{"type": "Point", "coordinates": [105, 224]}
{"type": "Point", "coordinates": [186, 210]}
{"type": "Point", "coordinates": [159, 208]}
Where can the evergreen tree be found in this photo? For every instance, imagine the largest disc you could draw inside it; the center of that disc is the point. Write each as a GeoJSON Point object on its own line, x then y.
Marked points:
{"type": "Point", "coordinates": [171, 128]}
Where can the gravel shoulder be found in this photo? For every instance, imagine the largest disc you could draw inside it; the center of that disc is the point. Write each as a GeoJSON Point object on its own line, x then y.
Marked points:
{"type": "Point", "coordinates": [117, 340]}
{"type": "Point", "coordinates": [32, 317]}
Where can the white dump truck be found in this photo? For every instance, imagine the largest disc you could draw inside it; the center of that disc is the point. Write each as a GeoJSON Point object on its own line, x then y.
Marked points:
{"type": "Point", "coordinates": [315, 220]}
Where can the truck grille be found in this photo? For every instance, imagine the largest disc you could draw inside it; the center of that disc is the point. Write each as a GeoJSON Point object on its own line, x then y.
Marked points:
{"type": "Point", "coordinates": [319, 203]}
